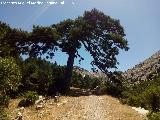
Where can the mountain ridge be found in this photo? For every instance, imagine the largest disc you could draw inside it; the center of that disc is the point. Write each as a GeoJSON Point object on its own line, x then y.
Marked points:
{"type": "Point", "coordinates": [146, 70]}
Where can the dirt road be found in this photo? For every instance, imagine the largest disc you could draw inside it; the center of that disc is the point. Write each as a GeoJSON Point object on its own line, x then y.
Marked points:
{"type": "Point", "coordinates": [79, 108]}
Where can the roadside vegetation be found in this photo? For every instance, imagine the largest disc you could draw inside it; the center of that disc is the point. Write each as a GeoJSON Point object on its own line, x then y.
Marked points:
{"type": "Point", "coordinates": [146, 94]}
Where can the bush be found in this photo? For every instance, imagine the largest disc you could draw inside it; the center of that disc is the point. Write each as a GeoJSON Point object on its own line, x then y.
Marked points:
{"type": "Point", "coordinates": [134, 101]}
{"type": "Point", "coordinates": [3, 115]}
{"type": "Point", "coordinates": [114, 89]}
{"type": "Point", "coordinates": [115, 86]}
{"type": "Point", "coordinates": [102, 89]}
{"type": "Point", "coordinates": [148, 99]}
{"type": "Point", "coordinates": [10, 75]}
{"type": "Point", "coordinates": [37, 75]}
{"type": "Point", "coordinates": [126, 94]}
{"type": "Point", "coordinates": [31, 97]}
{"type": "Point", "coordinates": [154, 116]}
{"type": "Point", "coordinates": [151, 97]}
{"type": "Point", "coordinates": [131, 99]}
{"type": "Point", "coordinates": [4, 100]}
{"type": "Point", "coordinates": [23, 103]}
{"type": "Point", "coordinates": [123, 101]}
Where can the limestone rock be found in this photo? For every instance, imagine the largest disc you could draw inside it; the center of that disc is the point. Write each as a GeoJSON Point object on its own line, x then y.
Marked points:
{"type": "Point", "coordinates": [39, 104]}
{"type": "Point", "coordinates": [19, 116]}
{"type": "Point", "coordinates": [146, 70]}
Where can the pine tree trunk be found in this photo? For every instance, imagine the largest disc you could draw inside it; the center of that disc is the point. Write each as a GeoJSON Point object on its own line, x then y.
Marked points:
{"type": "Point", "coordinates": [68, 72]}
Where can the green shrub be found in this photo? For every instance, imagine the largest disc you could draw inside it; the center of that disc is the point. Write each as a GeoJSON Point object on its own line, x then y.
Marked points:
{"type": "Point", "coordinates": [3, 115]}
{"type": "Point", "coordinates": [24, 103]}
{"type": "Point", "coordinates": [37, 75]}
{"type": "Point", "coordinates": [131, 99]}
{"type": "Point", "coordinates": [4, 100]}
{"type": "Point", "coordinates": [154, 116]}
{"type": "Point", "coordinates": [123, 101]}
{"type": "Point", "coordinates": [126, 94]}
{"type": "Point", "coordinates": [151, 97]}
{"type": "Point", "coordinates": [31, 97]}
{"type": "Point", "coordinates": [114, 89]}
{"type": "Point", "coordinates": [10, 75]}
{"type": "Point", "coordinates": [115, 84]}
{"type": "Point", "coordinates": [134, 101]}
{"type": "Point", "coordinates": [102, 89]}
{"type": "Point", "coordinates": [148, 99]}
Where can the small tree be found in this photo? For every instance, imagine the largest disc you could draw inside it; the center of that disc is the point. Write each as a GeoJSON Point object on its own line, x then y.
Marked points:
{"type": "Point", "coordinates": [10, 75]}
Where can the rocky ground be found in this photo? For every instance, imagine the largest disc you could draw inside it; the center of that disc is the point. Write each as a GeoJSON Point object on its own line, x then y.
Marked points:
{"type": "Point", "coordinates": [90, 107]}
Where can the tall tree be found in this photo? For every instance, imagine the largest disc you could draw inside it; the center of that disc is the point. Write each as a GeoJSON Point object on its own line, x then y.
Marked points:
{"type": "Point", "coordinates": [101, 35]}
{"type": "Point", "coordinates": [69, 42]}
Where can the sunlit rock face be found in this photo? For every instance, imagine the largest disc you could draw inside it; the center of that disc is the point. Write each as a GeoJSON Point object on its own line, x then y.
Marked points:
{"type": "Point", "coordinates": [146, 70]}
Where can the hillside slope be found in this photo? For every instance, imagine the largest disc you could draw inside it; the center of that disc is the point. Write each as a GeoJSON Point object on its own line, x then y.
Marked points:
{"type": "Point", "coordinates": [83, 72]}
{"type": "Point", "coordinates": [147, 69]}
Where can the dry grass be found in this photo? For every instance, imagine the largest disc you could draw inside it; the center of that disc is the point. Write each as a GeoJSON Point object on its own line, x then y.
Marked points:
{"type": "Point", "coordinates": [119, 111]}
{"type": "Point", "coordinates": [50, 110]}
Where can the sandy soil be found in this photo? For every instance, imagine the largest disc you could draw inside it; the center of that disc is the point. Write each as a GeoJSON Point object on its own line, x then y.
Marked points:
{"type": "Point", "coordinates": [78, 108]}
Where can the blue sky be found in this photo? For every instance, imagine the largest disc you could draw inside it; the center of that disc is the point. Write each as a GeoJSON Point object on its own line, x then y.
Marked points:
{"type": "Point", "coordinates": [140, 19]}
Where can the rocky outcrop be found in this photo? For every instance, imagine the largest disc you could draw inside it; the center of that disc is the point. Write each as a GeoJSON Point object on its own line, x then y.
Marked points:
{"type": "Point", "coordinates": [85, 72]}
{"type": "Point", "coordinates": [146, 70]}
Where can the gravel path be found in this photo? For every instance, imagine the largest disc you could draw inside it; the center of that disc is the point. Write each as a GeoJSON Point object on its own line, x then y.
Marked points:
{"type": "Point", "coordinates": [93, 108]}
{"type": "Point", "coordinates": [79, 108]}
{"type": "Point", "coordinates": [107, 108]}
